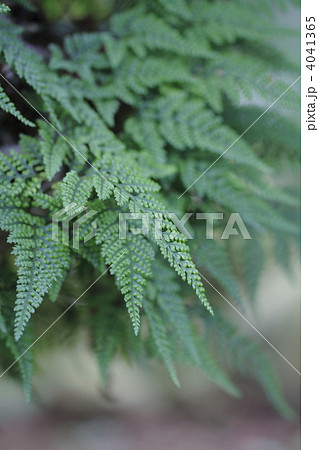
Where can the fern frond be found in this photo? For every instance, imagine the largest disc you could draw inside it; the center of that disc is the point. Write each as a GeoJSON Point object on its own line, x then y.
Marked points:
{"type": "Point", "coordinates": [26, 361]}
{"type": "Point", "coordinates": [136, 77]}
{"type": "Point", "coordinates": [223, 187]}
{"type": "Point", "coordinates": [105, 326]}
{"type": "Point", "coordinates": [3, 328]}
{"type": "Point", "coordinates": [4, 8]}
{"type": "Point", "coordinates": [129, 259]}
{"type": "Point", "coordinates": [253, 79]}
{"type": "Point", "coordinates": [18, 174]}
{"type": "Point", "coordinates": [121, 175]}
{"type": "Point", "coordinates": [7, 105]}
{"type": "Point", "coordinates": [137, 190]}
{"type": "Point", "coordinates": [75, 192]}
{"type": "Point", "coordinates": [186, 123]}
{"type": "Point", "coordinates": [107, 110]}
{"type": "Point", "coordinates": [179, 8]}
{"type": "Point", "coordinates": [153, 33]}
{"type": "Point", "coordinates": [40, 259]}
{"type": "Point", "coordinates": [172, 305]}
{"type": "Point", "coordinates": [159, 334]}
{"type": "Point", "coordinates": [53, 149]}
{"type": "Point", "coordinates": [214, 258]}
{"type": "Point", "coordinates": [252, 260]}
{"type": "Point", "coordinates": [245, 355]}
{"type": "Point", "coordinates": [21, 351]}
{"type": "Point", "coordinates": [146, 135]}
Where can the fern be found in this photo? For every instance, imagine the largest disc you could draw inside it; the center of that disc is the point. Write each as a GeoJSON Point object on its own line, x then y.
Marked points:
{"type": "Point", "coordinates": [244, 355]}
{"type": "Point", "coordinates": [130, 260]}
{"type": "Point", "coordinates": [217, 262]}
{"type": "Point", "coordinates": [76, 191]}
{"type": "Point", "coordinates": [19, 350]}
{"type": "Point", "coordinates": [172, 305]}
{"type": "Point", "coordinates": [160, 337]}
{"type": "Point", "coordinates": [53, 150]}
{"type": "Point", "coordinates": [39, 259]}
{"type": "Point", "coordinates": [9, 107]}
{"type": "Point", "coordinates": [4, 8]}
{"type": "Point", "coordinates": [22, 352]}
{"type": "Point", "coordinates": [186, 123]}
{"type": "Point", "coordinates": [132, 115]}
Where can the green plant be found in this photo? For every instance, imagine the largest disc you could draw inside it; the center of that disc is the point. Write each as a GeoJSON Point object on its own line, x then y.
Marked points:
{"type": "Point", "coordinates": [131, 115]}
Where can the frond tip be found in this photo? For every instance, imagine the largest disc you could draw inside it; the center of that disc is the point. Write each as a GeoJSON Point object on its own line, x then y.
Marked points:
{"type": "Point", "coordinates": [9, 107]}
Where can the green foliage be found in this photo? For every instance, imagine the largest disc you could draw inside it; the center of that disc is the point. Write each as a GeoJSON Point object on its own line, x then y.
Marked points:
{"type": "Point", "coordinates": [40, 259]}
{"type": "Point", "coordinates": [187, 345]}
{"type": "Point", "coordinates": [159, 334]}
{"type": "Point", "coordinates": [130, 117]}
{"type": "Point", "coordinates": [4, 8]}
{"type": "Point", "coordinates": [19, 350]}
{"type": "Point", "coordinates": [130, 261]}
{"type": "Point", "coordinates": [9, 107]}
{"type": "Point", "coordinates": [243, 354]}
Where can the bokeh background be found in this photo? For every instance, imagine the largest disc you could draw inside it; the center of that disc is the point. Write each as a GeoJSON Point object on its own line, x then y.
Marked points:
{"type": "Point", "coordinates": [140, 408]}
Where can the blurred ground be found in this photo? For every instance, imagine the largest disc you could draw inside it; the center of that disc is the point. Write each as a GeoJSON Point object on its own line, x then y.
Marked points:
{"type": "Point", "coordinates": [174, 430]}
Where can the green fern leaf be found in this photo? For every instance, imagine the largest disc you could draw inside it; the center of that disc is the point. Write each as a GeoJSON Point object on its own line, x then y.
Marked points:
{"type": "Point", "coordinates": [40, 260]}
{"type": "Point", "coordinates": [75, 192]}
{"type": "Point", "coordinates": [159, 335]}
{"type": "Point", "coordinates": [245, 355]}
{"type": "Point", "coordinates": [8, 107]}
{"type": "Point", "coordinates": [4, 8]}
{"type": "Point", "coordinates": [24, 355]}
{"type": "Point", "coordinates": [129, 259]}
{"type": "Point", "coordinates": [53, 149]}
{"type": "Point", "coordinates": [172, 305]}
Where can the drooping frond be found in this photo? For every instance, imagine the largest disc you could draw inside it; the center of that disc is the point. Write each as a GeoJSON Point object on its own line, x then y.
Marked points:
{"type": "Point", "coordinates": [39, 258]}
{"type": "Point", "coordinates": [53, 149]}
{"type": "Point", "coordinates": [105, 323]}
{"type": "Point", "coordinates": [133, 188]}
{"type": "Point", "coordinates": [244, 354]}
{"type": "Point", "coordinates": [129, 259]}
{"type": "Point", "coordinates": [159, 334]}
{"type": "Point", "coordinates": [21, 351]}
{"type": "Point", "coordinates": [7, 105]}
{"type": "Point", "coordinates": [24, 355]}
{"type": "Point", "coordinates": [193, 349]}
{"type": "Point", "coordinates": [214, 258]}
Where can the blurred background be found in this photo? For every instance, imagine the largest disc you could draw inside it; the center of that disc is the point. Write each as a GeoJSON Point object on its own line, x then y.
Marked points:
{"type": "Point", "coordinates": [140, 408]}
